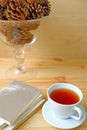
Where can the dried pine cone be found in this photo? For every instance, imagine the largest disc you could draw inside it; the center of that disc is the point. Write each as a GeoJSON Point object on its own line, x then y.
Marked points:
{"type": "Point", "coordinates": [35, 11]}
{"type": "Point", "coordinates": [46, 6]}
{"type": "Point", "coordinates": [20, 36]}
{"type": "Point", "coordinates": [38, 10]}
{"type": "Point", "coordinates": [15, 11]}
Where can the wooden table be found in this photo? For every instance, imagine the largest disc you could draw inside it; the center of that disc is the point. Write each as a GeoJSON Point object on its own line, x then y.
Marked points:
{"type": "Point", "coordinates": [59, 55]}
{"type": "Point", "coordinates": [50, 72]}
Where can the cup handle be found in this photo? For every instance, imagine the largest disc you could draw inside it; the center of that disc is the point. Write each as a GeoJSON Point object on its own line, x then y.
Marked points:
{"type": "Point", "coordinates": [79, 112]}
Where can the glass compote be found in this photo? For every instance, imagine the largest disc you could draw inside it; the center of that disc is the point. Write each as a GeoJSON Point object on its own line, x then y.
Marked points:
{"type": "Point", "coordinates": [19, 34]}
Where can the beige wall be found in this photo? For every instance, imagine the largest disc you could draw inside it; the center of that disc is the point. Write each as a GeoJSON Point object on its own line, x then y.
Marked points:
{"type": "Point", "coordinates": [62, 35]}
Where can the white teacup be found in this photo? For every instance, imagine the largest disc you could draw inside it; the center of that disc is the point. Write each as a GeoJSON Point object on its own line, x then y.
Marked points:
{"type": "Point", "coordinates": [65, 110]}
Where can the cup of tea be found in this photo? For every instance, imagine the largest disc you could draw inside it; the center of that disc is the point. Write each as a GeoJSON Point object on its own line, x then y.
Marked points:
{"type": "Point", "coordinates": [65, 100]}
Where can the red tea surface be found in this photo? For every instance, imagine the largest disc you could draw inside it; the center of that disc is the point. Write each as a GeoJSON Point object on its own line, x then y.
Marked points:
{"type": "Point", "coordinates": [64, 96]}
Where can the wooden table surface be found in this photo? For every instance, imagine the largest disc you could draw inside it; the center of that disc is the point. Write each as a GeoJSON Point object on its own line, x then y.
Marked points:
{"type": "Point", "coordinates": [59, 55]}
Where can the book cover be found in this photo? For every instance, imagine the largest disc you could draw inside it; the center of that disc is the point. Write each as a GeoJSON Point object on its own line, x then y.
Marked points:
{"type": "Point", "coordinates": [24, 116]}
{"type": "Point", "coordinates": [14, 100]}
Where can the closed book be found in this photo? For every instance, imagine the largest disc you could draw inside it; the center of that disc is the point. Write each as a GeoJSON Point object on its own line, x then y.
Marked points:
{"type": "Point", "coordinates": [25, 115]}
{"type": "Point", "coordinates": [15, 99]}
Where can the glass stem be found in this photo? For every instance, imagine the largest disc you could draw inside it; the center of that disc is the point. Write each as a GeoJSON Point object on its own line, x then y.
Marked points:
{"type": "Point", "coordinates": [20, 57]}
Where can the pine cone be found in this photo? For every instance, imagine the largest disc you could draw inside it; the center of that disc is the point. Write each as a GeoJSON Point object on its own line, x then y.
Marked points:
{"type": "Point", "coordinates": [38, 10]}
{"type": "Point", "coordinates": [15, 10]}
{"type": "Point", "coordinates": [20, 36]}
{"type": "Point", "coordinates": [46, 6]}
{"type": "Point", "coordinates": [35, 11]}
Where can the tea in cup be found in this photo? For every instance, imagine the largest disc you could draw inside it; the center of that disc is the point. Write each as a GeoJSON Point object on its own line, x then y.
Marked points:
{"type": "Point", "coordinates": [65, 100]}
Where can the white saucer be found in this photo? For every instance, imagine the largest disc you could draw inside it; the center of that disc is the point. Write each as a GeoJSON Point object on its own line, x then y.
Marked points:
{"type": "Point", "coordinates": [60, 123]}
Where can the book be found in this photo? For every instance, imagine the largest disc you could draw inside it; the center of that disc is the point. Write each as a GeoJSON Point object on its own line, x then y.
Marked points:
{"type": "Point", "coordinates": [24, 116]}
{"type": "Point", "coordinates": [17, 99]}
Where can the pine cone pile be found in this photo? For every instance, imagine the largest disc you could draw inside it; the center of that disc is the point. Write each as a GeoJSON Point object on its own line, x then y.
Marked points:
{"type": "Point", "coordinates": [24, 9]}
{"type": "Point", "coordinates": [15, 19]}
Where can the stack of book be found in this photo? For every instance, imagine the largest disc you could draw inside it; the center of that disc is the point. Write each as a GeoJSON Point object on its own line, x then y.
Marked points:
{"type": "Point", "coordinates": [18, 101]}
